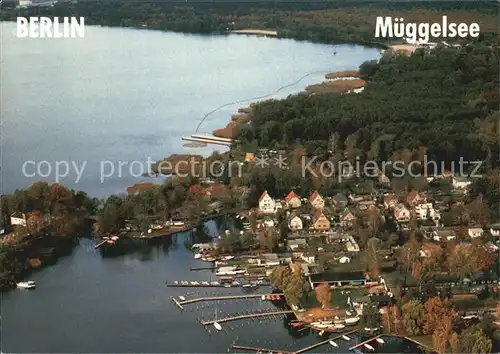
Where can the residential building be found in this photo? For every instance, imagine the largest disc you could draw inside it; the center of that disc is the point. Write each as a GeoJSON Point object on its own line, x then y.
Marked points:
{"type": "Point", "coordinates": [18, 219]}
{"type": "Point", "coordinates": [390, 201]}
{"type": "Point", "coordinates": [338, 279]}
{"type": "Point", "coordinates": [460, 182]}
{"type": "Point", "coordinates": [444, 235]}
{"type": "Point", "coordinates": [292, 200]}
{"type": "Point", "coordinates": [317, 200]}
{"type": "Point", "coordinates": [267, 204]}
{"type": "Point", "coordinates": [426, 211]}
{"type": "Point", "coordinates": [296, 244]}
{"type": "Point", "coordinates": [415, 198]}
{"type": "Point", "coordinates": [401, 213]}
{"type": "Point", "coordinates": [295, 223]}
{"type": "Point", "coordinates": [270, 259]}
{"type": "Point", "coordinates": [475, 232]}
{"type": "Point", "coordinates": [344, 259]}
{"type": "Point", "coordinates": [308, 257]}
{"type": "Point", "coordinates": [321, 222]}
{"type": "Point", "coordinates": [339, 200]}
{"type": "Point", "coordinates": [347, 218]}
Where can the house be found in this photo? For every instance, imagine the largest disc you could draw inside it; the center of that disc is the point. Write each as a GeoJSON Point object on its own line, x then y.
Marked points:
{"type": "Point", "coordinates": [18, 219]}
{"type": "Point", "coordinates": [401, 213]}
{"type": "Point", "coordinates": [475, 232]}
{"type": "Point", "coordinates": [495, 230]}
{"type": "Point", "coordinates": [295, 223]}
{"type": "Point", "coordinates": [269, 223]}
{"type": "Point", "coordinates": [444, 235]}
{"type": "Point", "coordinates": [321, 222]}
{"type": "Point", "coordinates": [426, 211]}
{"type": "Point", "coordinates": [339, 200]}
{"type": "Point", "coordinates": [292, 200]}
{"type": "Point", "coordinates": [344, 259]}
{"type": "Point", "coordinates": [308, 257]}
{"type": "Point", "coordinates": [460, 182]}
{"type": "Point", "coordinates": [317, 200]}
{"type": "Point", "coordinates": [415, 197]}
{"type": "Point", "coordinates": [295, 244]}
{"type": "Point", "coordinates": [390, 201]}
{"type": "Point", "coordinates": [347, 218]}
{"type": "Point", "coordinates": [338, 278]}
{"type": "Point", "coordinates": [270, 259]}
{"type": "Point", "coordinates": [267, 204]}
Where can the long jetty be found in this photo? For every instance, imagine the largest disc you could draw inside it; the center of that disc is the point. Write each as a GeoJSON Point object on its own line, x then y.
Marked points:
{"type": "Point", "coordinates": [177, 303]}
{"type": "Point", "coordinates": [324, 342]}
{"type": "Point", "coordinates": [365, 342]}
{"type": "Point", "coordinates": [242, 347]}
{"type": "Point", "coordinates": [229, 297]}
{"type": "Point", "coordinates": [242, 317]}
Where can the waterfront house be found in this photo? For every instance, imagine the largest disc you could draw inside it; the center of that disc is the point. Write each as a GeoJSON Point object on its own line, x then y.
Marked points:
{"type": "Point", "coordinates": [337, 278]}
{"type": "Point", "coordinates": [475, 232]}
{"type": "Point", "coordinates": [347, 218]}
{"type": "Point", "coordinates": [292, 200]}
{"type": "Point", "coordinates": [267, 204]}
{"type": "Point", "coordinates": [18, 219]}
{"type": "Point", "coordinates": [401, 213]}
{"type": "Point", "coordinates": [339, 200]}
{"type": "Point", "coordinates": [317, 200]}
{"type": "Point", "coordinates": [295, 223]}
{"type": "Point", "coordinates": [321, 222]}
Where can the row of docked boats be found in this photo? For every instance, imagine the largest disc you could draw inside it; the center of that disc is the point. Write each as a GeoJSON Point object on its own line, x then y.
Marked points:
{"type": "Point", "coordinates": [336, 324]}
{"type": "Point", "coordinates": [30, 284]}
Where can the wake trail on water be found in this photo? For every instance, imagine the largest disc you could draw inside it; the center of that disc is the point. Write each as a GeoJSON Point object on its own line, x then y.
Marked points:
{"type": "Point", "coordinates": [259, 97]}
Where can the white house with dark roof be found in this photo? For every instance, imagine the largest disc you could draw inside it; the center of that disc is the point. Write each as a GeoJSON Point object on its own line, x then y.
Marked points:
{"type": "Point", "coordinates": [267, 204]}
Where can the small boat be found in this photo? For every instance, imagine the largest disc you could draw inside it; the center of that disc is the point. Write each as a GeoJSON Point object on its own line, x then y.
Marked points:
{"type": "Point", "coordinates": [297, 324]}
{"type": "Point", "coordinates": [193, 283]}
{"type": "Point", "coordinates": [344, 337]}
{"type": "Point", "coordinates": [246, 286]}
{"type": "Point", "coordinates": [227, 285]}
{"type": "Point", "coordinates": [320, 333]}
{"type": "Point", "coordinates": [368, 346]}
{"type": "Point", "coordinates": [348, 313]}
{"type": "Point", "coordinates": [333, 343]}
{"type": "Point", "coordinates": [176, 282]}
{"type": "Point", "coordinates": [380, 340]}
{"type": "Point", "coordinates": [339, 326]}
{"type": "Point", "coordinates": [197, 256]}
{"type": "Point", "coordinates": [352, 320]}
{"type": "Point", "coordinates": [182, 298]}
{"type": "Point", "coordinates": [263, 297]}
{"type": "Point", "coordinates": [26, 284]}
{"type": "Point", "coordinates": [217, 326]}
{"type": "Point", "coordinates": [227, 258]}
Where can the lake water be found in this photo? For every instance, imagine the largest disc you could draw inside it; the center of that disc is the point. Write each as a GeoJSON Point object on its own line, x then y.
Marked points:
{"type": "Point", "coordinates": [129, 95]}
{"type": "Point", "coordinates": [126, 95]}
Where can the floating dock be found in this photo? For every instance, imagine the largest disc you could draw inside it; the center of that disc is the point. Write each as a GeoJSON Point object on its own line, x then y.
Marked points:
{"type": "Point", "coordinates": [323, 342]}
{"type": "Point", "coordinates": [230, 297]}
{"type": "Point", "coordinates": [242, 317]}
{"type": "Point", "coordinates": [177, 303]}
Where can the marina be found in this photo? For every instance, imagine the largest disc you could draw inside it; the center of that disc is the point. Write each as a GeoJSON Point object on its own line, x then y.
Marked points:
{"type": "Point", "coordinates": [228, 297]}
{"type": "Point", "coordinates": [242, 317]}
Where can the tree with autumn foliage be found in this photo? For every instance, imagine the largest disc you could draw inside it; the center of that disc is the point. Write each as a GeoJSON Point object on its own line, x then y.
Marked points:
{"type": "Point", "coordinates": [474, 340]}
{"type": "Point", "coordinates": [437, 311]}
{"type": "Point", "coordinates": [465, 259]}
{"type": "Point", "coordinates": [323, 294]}
{"type": "Point", "coordinates": [413, 317]}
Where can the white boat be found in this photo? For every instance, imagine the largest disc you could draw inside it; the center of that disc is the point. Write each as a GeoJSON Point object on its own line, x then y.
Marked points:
{"type": "Point", "coordinates": [344, 337]}
{"type": "Point", "coordinates": [246, 285]}
{"type": "Point", "coordinates": [193, 283]}
{"type": "Point", "coordinates": [227, 258]}
{"type": "Point", "coordinates": [176, 282]}
{"type": "Point", "coordinates": [182, 298]}
{"type": "Point", "coordinates": [263, 297]}
{"type": "Point", "coordinates": [339, 326]}
{"type": "Point", "coordinates": [352, 320]}
{"type": "Point", "coordinates": [380, 340]}
{"type": "Point", "coordinates": [348, 313]}
{"type": "Point", "coordinates": [321, 333]}
{"type": "Point", "coordinates": [197, 256]}
{"type": "Point", "coordinates": [26, 284]}
{"type": "Point", "coordinates": [217, 326]}
{"type": "Point", "coordinates": [368, 346]}
{"type": "Point", "coordinates": [205, 283]}
{"type": "Point", "coordinates": [333, 343]}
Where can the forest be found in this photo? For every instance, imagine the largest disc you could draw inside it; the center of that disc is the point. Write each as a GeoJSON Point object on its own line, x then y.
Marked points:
{"type": "Point", "coordinates": [325, 21]}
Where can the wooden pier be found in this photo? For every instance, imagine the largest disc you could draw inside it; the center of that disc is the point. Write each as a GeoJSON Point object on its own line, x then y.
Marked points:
{"type": "Point", "coordinates": [365, 342]}
{"type": "Point", "coordinates": [242, 347]}
{"type": "Point", "coordinates": [324, 342]}
{"type": "Point", "coordinates": [177, 303]}
{"type": "Point", "coordinates": [229, 297]}
{"type": "Point", "coordinates": [242, 317]}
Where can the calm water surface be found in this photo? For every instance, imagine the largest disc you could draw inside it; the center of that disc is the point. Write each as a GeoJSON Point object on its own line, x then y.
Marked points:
{"type": "Point", "coordinates": [126, 95]}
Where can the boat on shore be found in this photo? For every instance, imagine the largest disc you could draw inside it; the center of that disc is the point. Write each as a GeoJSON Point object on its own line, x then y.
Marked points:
{"type": "Point", "coordinates": [351, 321]}
{"type": "Point", "coordinates": [30, 284]}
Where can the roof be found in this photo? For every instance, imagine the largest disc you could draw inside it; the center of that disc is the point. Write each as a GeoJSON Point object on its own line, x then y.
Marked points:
{"type": "Point", "coordinates": [262, 196]}
{"type": "Point", "coordinates": [337, 276]}
{"type": "Point", "coordinates": [313, 196]}
{"type": "Point", "coordinates": [339, 197]}
{"type": "Point", "coordinates": [290, 196]}
{"type": "Point", "coordinates": [249, 156]}
{"type": "Point", "coordinates": [297, 241]}
{"type": "Point", "coordinates": [390, 197]}
{"type": "Point", "coordinates": [318, 214]}
{"type": "Point", "coordinates": [17, 215]}
{"type": "Point", "coordinates": [412, 195]}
